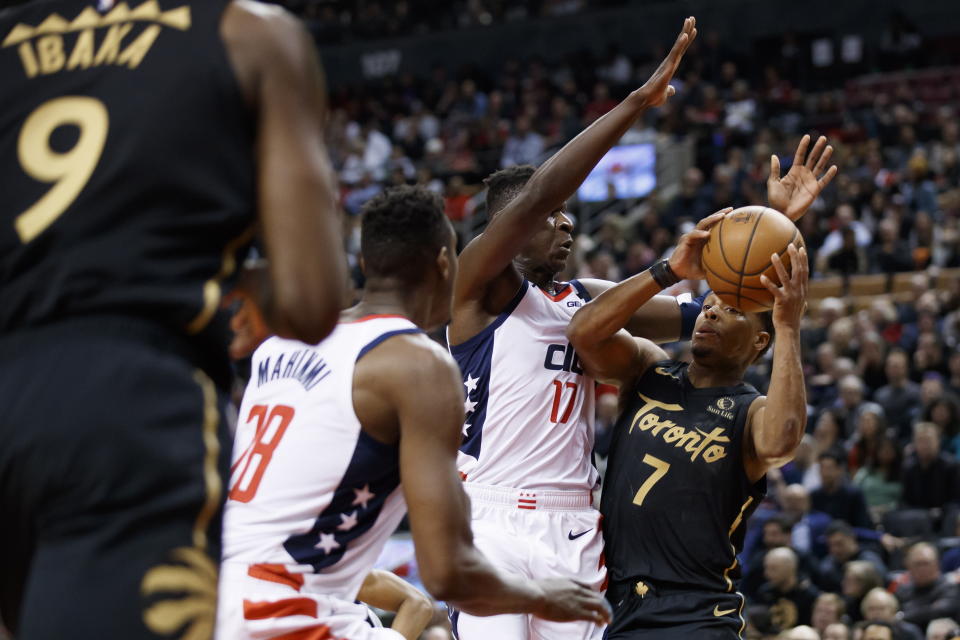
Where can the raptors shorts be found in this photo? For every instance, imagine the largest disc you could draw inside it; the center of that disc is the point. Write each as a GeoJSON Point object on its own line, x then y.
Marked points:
{"type": "Point", "coordinates": [111, 467]}
{"type": "Point", "coordinates": [536, 535]}
{"type": "Point", "coordinates": [258, 605]}
{"type": "Point", "coordinates": [661, 613]}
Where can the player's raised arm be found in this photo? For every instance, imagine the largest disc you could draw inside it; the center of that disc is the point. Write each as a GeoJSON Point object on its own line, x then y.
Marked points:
{"type": "Point", "coordinates": [606, 350]}
{"type": "Point", "coordinates": [776, 423]}
{"type": "Point", "coordinates": [276, 65]}
{"type": "Point", "coordinates": [426, 389]}
{"type": "Point", "coordinates": [795, 192]}
{"type": "Point", "coordinates": [384, 590]}
{"type": "Point", "coordinates": [491, 254]}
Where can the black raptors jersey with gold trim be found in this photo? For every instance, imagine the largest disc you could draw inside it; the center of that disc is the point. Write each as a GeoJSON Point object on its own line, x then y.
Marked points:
{"type": "Point", "coordinates": [676, 498]}
{"type": "Point", "coordinates": [126, 162]}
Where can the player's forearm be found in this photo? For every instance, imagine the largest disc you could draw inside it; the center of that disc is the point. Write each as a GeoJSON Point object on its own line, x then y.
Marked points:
{"type": "Point", "coordinates": [785, 415]}
{"type": "Point", "coordinates": [560, 176]}
{"type": "Point", "coordinates": [658, 320]}
{"type": "Point", "coordinates": [412, 617]}
{"type": "Point", "coordinates": [475, 587]}
{"type": "Point", "coordinates": [612, 310]}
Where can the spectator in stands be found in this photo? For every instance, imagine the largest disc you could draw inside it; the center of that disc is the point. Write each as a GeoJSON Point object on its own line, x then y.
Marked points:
{"type": "Point", "coordinates": [524, 146]}
{"type": "Point", "coordinates": [929, 476]}
{"type": "Point", "coordinates": [928, 595]}
{"type": "Point", "coordinates": [828, 609]}
{"type": "Point", "coordinates": [827, 435]}
{"type": "Point", "coordinates": [808, 525]}
{"type": "Point", "coordinates": [868, 428]}
{"type": "Point", "coordinates": [845, 218]}
{"type": "Point", "coordinates": [879, 478]}
{"type": "Point", "coordinates": [942, 629]}
{"type": "Point", "coordinates": [873, 348]}
{"type": "Point", "coordinates": [777, 532]}
{"type": "Point", "coordinates": [900, 396]}
{"type": "Point", "coordinates": [804, 468]}
{"type": "Point", "coordinates": [803, 632]}
{"type": "Point", "coordinates": [842, 547]}
{"type": "Point", "coordinates": [789, 597]}
{"type": "Point", "coordinates": [859, 578]}
{"type": "Point", "coordinates": [881, 606]}
{"type": "Point", "coordinates": [836, 631]}
{"type": "Point", "coordinates": [836, 496]}
{"type": "Point", "coordinates": [878, 631]}
{"type": "Point", "coordinates": [889, 254]}
{"type": "Point", "coordinates": [945, 413]}
{"type": "Point", "coordinates": [850, 401]}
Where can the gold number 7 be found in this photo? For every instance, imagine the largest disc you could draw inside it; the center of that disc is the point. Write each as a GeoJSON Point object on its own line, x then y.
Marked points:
{"type": "Point", "coordinates": [660, 469]}
{"type": "Point", "coordinates": [69, 170]}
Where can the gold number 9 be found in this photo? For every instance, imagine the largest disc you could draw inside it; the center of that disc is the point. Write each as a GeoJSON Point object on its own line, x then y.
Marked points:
{"type": "Point", "coordinates": [70, 170]}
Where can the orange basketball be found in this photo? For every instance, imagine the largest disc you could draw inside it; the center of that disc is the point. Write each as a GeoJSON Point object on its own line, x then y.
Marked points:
{"type": "Point", "coordinates": [738, 253]}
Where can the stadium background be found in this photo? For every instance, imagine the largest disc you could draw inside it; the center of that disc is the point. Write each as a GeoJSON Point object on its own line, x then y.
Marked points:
{"type": "Point", "coordinates": [444, 93]}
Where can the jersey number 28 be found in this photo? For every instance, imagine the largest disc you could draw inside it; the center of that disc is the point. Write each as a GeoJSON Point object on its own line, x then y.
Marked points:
{"type": "Point", "coordinates": [272, 423]}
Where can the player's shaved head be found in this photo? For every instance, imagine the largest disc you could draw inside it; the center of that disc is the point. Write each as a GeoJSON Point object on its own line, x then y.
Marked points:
{"type": "Point", "coordinates": [505, 185]}
{"type": "Point", "coordinates": [402, 231]}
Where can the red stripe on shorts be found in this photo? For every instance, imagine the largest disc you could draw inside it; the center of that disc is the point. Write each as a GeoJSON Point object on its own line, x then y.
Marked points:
{"type": "Point", "coordinates": [275, 573]}
{"type": "Point", "coordinates": [279, 608]}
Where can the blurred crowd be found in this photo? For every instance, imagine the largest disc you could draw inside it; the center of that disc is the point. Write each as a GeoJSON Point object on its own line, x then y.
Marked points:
{"type": "Point", "coordinates": [341, 21]}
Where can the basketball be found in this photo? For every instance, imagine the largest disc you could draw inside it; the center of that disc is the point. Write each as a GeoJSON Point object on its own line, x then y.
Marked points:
{"type": "Point", "coordinates": [738, 253]}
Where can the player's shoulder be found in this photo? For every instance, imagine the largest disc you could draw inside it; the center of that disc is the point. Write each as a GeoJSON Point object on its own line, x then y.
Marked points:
{"type": "Point", "coordinates": [405, 364]}
{"type": "Point", "coordinates": [263, 28]}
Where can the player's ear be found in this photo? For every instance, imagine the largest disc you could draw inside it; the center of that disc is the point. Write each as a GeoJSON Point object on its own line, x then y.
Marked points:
{"type": "Point", "coordinates": [443, 263]}
{"type": "Point", "coordinates": [761, 341]}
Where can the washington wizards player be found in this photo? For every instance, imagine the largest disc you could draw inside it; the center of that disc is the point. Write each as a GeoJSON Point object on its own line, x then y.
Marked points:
{"type": "Point", "coordinates": [528, 432]}
{"type": "Point", "coordinates": [334, 439]}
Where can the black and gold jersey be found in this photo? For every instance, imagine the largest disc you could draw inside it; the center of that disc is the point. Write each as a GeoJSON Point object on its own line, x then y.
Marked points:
{"type": "Point", "coordinates": [676, 497]}
{"type": "Point", "coordinates": [126, 162]}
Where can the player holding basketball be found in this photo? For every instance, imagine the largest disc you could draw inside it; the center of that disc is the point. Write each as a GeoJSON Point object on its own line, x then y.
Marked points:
{"type": "Point", "coordinates": [138, 147]}
{"type": "Point", "coordinates": [692, 447]}
{"type": "Point", "coordinates": [529, 428]}
{"type": "Point", "coordinates": [333, 439]}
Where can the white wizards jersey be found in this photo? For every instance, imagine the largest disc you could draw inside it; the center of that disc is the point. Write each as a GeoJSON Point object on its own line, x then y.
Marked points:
{"type": "Point", "coordinates": [312, 496]}
{"type": "Point", "coordinates": [529, 407]}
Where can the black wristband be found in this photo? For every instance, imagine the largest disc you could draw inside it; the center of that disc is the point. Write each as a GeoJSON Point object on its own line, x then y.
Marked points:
{"type": "Point", "coordinates": [663, 275]}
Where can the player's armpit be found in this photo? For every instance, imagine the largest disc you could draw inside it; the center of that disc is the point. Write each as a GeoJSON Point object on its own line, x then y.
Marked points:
{"type": "Point", "coordinates": [276, 65]}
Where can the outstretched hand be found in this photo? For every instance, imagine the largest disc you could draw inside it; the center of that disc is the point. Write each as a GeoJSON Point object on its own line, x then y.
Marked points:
{"type": "Point", "coordinates": [795, 192]}
{"type": "Point", "coordinates": [657, 89]}
{"type": "Point", "coordinates": [789, 299]}
{"type": "Point", "coordinates": [686, 258]}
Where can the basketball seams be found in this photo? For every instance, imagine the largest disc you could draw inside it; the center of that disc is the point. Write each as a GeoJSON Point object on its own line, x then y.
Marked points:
{"type": "Point", "coordinates": [729, 281]}
{"type": "Point", "coordinates": [780, 253]}
{"type": "Point", "coordinates": [746, 252]}
{"type": "Point", "coordinates": [723, 253]}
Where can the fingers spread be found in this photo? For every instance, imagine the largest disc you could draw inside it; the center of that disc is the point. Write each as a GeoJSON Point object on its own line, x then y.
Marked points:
{"type": "Point", "coordinates": [825, 180]}
{"type": "Point", "coordinates": [774, 167]}
{"type": "Point", "coordinates": [824, 160]}
{"type": "Point", "coordinates": [801, 150]}
{"type": "Point", "coordinates": [772, 288]}
{"type": "Point", "coordinates": [817, 150]}
{"type": "Point", "coordinates": [779, 268]}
